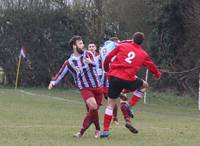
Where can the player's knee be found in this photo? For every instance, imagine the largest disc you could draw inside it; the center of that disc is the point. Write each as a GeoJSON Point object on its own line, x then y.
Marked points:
{"type": "Point", "coordinates": [143, 90]}
{"type": "Point", "coordinates": [145, 85]}
{"type": "Point", "coordinates": [112, 102]}
{"type": "Point", "coordinates": [92, 105]}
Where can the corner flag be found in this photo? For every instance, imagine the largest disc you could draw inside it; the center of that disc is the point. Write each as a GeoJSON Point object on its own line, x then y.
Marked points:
{"type": "Point", "coordinates": [21, 54]}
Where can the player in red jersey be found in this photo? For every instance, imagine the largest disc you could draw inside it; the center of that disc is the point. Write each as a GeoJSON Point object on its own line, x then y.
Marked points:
{"type": "Point", "coordinates": [129, 57]}
{"type": "Point", "coordinates": [102, 74]}
{"type": "Point", "coordinates": [81, 65]}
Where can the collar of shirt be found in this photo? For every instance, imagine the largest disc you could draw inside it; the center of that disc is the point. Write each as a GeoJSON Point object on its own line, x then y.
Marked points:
{"type": "Point", "coordinates": [76, 57]}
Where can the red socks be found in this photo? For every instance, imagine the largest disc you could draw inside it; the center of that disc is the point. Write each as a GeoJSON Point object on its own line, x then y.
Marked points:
{"type": "Point", "coordinates": [107, 118]}
{"type": "Point", "coordinates": [124, 111]}
{"type": "Point", "coordinates": [91, 117]}
{"type": "Point", "coordinates": [136, 97]}
{"type": "Point", "coordinates": [86, 122]}
{"type": "Point", "coordinates": [95, 119]}
{"type": "Point", "coordinates": [133, 100]}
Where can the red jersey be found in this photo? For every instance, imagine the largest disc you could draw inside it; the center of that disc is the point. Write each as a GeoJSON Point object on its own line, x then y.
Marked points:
{"type": "Point", "coordinates": [129, 57]}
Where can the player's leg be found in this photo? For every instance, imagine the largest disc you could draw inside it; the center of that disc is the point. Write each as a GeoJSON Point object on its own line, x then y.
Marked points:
{"type": "Point", "coordinates": [90, 102]}
{"type": "Point", "coordinates": [127, 118]}
{"type": "Point", "coordinates": [115, 109]}
{"type": "Point", "coordinates": [138, 94]}
{"type": "Point", "coordinates": [105, 92]}
{"type": "Point", "coordinates": [125, 111]}
{"type": "Point", "coordinates": [137, 84]}
{"type": "Point", "coordinates": [115, 118]}
{"type": "Point", "coordinates": [124, 102]}
{"type": "Point", "coordinates": [114, 92]}
{"type": "Point", "coordinates": [98, 97]}
{"type": "Point", "coordinates": [90, 116]}
{"type": "Point", "coordinates": [108, 117]}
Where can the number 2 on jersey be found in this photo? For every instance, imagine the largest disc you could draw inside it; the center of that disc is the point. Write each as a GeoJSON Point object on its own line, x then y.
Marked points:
{"type": "Point", "coordinates": [131, 56]}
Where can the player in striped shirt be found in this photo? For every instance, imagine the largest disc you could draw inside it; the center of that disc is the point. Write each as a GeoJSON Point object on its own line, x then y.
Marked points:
{"type": "Point", "coordinates": [81, 65]}
{"type": "Point", "coordinates": [93, 48]}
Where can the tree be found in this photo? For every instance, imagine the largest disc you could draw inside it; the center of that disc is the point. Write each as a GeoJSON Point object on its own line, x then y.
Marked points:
{"type": "Point", "coordinates": [171, 44]}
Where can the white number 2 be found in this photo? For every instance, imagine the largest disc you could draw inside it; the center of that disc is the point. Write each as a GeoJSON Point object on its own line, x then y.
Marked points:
{"type": "Point", "coordinates": [131, 56]}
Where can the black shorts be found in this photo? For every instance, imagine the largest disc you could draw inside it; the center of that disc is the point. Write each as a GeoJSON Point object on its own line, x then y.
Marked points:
{"type": "Point", "coordinates": [116, 85]}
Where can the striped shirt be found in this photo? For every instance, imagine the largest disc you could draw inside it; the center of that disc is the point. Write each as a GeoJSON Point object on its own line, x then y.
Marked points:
{"type": "Point", "coordinates": [99, 64]}
{"type": "Point", "coordinates": [85, 75]}
{"type": "Point", "coordinates": [106, 49]}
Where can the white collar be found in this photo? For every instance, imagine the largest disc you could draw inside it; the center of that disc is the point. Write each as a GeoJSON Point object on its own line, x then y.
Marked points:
{"type": "Point", "coordinates": [75, 57]}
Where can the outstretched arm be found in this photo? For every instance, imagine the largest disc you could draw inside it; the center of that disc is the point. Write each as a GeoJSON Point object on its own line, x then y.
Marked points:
{"type": "Point", "coordinates": [63, 71]}
{"type": "Point", "coordinates": [89, 58]}
{"type": "Point", "coordinates": [152, 67]}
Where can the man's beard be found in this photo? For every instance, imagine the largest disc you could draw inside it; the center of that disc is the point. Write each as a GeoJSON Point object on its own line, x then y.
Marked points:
{"type": "Point", "coordinates": [80, 51]}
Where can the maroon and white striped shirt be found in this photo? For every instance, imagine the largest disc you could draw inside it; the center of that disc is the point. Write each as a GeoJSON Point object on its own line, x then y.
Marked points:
{"type": "Point", "coordinates": [85, 75]}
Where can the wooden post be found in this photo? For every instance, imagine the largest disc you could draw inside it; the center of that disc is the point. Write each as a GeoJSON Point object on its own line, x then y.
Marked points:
{"type": "Point", "coordinates": [18, 69]}
{"type": "Point", "coordinates": [145, 93]}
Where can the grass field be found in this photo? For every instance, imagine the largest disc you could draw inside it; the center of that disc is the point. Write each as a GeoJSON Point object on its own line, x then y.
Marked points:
{"type": "Point", "coordinates": [37, 117]}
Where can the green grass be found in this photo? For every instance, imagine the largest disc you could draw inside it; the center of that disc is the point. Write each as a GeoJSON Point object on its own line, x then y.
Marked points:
{"type": "Point", "coordinates": [44, 119]}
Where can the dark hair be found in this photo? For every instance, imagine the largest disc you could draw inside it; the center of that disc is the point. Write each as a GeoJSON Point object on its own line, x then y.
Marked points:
{"type": "Point", "coordinates": [138, 38]}
{"type": "Point", "coordinates": [73, 40]}
{"type": "Point", "coordinates": [92, 42]}
{"type": "Point", "coordinates": [115, 39]}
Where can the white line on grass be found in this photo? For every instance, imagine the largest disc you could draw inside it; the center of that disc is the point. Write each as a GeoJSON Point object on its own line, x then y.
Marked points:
{"type": "Point", "coordinates": [52, 97]}
{"type": "Point", "coordinates": [78, 126]}
{"type": "Point", "coordinates": [2, 92]}
{"type": "Point", "coordinates": [71, 126]}
{"type": "Point", "coordinates": [38, 126]}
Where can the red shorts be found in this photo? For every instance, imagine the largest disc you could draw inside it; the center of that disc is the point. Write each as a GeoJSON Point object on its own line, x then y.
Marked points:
{"type": "Point", "coordinates": [92, 92]}
{"type": "Point", "coordinates": [105, 91]}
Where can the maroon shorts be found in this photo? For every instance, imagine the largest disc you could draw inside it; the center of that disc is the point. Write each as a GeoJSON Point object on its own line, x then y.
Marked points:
{"type": "Point", "coordinates": [105, 91]}
{"type": "Point", "coordinates": [92, 92]}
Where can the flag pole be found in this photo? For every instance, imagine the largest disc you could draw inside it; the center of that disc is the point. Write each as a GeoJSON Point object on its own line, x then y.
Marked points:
{"type": "Point", "coordinates": [18, 68]}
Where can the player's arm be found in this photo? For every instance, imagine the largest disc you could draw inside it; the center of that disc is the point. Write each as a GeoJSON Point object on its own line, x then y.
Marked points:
{"type": "Point", "coordinates": [109, 57]}
{"type": "Point", "coordinates": [152, 67]}
{"type": "Point", "coordinates": [63, 72]}
{"type": "Point", "coordinates": [100, 68]}
{"type": "Point", "coordinates": [89, 58]}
